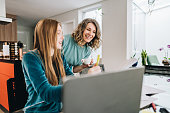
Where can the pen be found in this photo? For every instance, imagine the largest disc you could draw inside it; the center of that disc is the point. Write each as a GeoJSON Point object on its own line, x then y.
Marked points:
{"type": "Point", "coordinates": [153, 106]}
{"type": "Point", "coordinates": [98, 58]}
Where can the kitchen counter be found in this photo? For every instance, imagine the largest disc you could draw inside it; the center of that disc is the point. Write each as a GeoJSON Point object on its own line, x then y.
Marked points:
{"type": "Point", "coordinates": [8, 60]}
{"type": "Point", "coordinates": [12, 85]}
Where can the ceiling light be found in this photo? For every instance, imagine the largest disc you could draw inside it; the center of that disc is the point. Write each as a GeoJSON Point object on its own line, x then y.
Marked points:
{"type": "Point", "coordinates": [151, 5]}
{"type": "Point", "coordinates": [150, 2]}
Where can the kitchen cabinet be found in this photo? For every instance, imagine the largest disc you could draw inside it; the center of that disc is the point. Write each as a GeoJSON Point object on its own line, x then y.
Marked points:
{"type": "Point", "coordinates": [3, 91]}
{"type": "Point", "coordinates": [8, 32]}
{"type": "Point", "coordinates": [13, 94]}
{"type": "Point", "coordinates": [6, 72]}
{"type": "Point", "coordinates": [2, 32]}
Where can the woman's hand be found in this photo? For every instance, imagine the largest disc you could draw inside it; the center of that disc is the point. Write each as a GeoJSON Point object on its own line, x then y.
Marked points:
{"type": "Point", "coordinates": [86, 65]}
{"type": "Point", "coordinates": [94, 70]}
{"type": "Point", "coordinates": [77, 69]}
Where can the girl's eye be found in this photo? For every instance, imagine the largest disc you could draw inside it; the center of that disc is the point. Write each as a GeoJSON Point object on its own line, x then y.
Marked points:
{"type": "Point", "coordinates": [88, 29]}
{"type": "Point", "coordinates": [59, 33]}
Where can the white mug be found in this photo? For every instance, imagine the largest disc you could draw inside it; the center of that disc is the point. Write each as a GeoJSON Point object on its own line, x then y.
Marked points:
{"type": "Point", "coordinates": [87, 61]}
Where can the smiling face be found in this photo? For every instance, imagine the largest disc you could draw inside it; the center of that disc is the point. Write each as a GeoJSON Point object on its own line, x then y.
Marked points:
{"type": "Point", "coordinates": [60, 37]}
{"type": "Point", "coordinates": [89, 32]}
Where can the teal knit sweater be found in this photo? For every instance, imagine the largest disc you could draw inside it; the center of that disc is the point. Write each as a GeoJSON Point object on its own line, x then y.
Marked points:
{"type": "Point", "coordinates": [38, 87]}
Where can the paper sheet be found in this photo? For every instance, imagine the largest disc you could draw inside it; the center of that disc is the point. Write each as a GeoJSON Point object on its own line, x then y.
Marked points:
{"type": "Point", "coordinates": [146, 100]}
{"type": "Point", "coordinates": [163, 100]}
{"type": "Point", "coordinates": [150, 90]}
{"type": "Point", "coordinates": [158, 82]}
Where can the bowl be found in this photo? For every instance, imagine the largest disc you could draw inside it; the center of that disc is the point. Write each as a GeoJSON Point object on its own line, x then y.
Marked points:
{"type": "Point", "coordinates": [135, 64]}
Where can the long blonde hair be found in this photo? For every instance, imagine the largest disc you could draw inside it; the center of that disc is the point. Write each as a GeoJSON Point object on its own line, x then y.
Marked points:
{"type": "Point", "coordinates": [45, 39]}
{"type": "Point", "coordinates": [78, 33]}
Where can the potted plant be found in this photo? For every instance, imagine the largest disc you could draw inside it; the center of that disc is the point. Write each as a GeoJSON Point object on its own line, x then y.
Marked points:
{"type": "Point", "coordinates": [166, 60]}
{"type": "Point", "coordinates": [144, 56]}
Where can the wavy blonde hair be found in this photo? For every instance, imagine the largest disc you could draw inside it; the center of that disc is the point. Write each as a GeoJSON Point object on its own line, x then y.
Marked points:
{"type": "Point", "coordinates": [45, 38]}
{"type": "Point", "coordinates": [78, 33]}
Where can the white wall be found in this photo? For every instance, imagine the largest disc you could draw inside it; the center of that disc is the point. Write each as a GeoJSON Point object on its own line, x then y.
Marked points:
{"type": "Point", "coordinates": [158, 32]}
{"type": "Point", "coordinates": [115, 33]}
{"type": "Point", "coordinates": [68, 27]}
{"type": "Point", "coordinates": [68, 16]}
{"type": "Point", "coordinates": [25, 34]}
{"type": "Point", "coordinates": [129, 30]}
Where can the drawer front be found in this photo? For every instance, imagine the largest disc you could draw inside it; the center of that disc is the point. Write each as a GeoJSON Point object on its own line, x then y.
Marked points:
{"type": "Point", "coordinates": [7, 69]}
{"type": "Point", "coordinates": [3, 91]}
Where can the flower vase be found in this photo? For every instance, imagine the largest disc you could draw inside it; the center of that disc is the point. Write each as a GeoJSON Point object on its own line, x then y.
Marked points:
{"type": "Point", "coordinates": [165, 62]}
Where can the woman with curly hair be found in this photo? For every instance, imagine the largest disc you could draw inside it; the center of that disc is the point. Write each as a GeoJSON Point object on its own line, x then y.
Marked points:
{"type": "Point", "coordinates": [79, 44]}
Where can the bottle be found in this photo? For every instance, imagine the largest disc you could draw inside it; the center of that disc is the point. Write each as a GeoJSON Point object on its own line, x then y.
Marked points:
{"type": "Point", "coordinates": [5, 50]}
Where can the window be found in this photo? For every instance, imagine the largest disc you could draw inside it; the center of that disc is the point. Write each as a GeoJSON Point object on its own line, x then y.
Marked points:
{"type": "Point", "coordinates": [138, 31]}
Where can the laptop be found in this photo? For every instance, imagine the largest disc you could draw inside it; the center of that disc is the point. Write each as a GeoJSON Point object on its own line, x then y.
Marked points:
{"type": "Point", "coordinates": [113, 92]}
